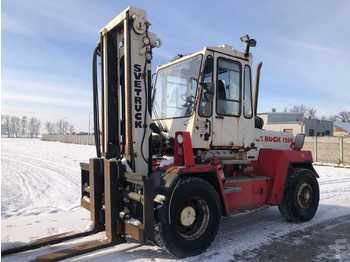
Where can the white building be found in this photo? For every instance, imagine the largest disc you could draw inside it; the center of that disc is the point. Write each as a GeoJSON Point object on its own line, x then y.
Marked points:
{"type": "Point", "coordinates": [296, 123]}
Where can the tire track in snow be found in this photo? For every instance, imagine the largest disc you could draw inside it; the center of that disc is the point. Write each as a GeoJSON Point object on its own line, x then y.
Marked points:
{"type": "Point", "coordinates": [49, 164]}
{"type": "Point", "coordinates": [334, 181]}
{"type": "Point", "coordinates": [45, 170]}
{"type": "Point", "coordinates": [38, 191]}
{"type": "Point", "coordinates": [47, 191]}
{"type": "Point", "coordinates": [40, 177]}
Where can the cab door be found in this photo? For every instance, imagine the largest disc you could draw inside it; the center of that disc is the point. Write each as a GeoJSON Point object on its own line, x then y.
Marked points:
{"type": "Point", "coordinates": [228, 102]}
{"type": "Point", "coordinates": [202, 132]}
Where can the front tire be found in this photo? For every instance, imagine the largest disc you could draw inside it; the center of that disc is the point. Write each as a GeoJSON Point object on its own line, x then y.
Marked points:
{"type": "Point", "coordinates": [194, 212]}
{"type": "Point", "coordinates": [301, 196]}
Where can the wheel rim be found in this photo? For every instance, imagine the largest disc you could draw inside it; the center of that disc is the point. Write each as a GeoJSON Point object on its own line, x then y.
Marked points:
{"type": "Point", "coordinates": [305, 196]}
{"type": "Point", "coordinates": [193, 219]}
{"type": "Point", "coordinates": [187, 216]}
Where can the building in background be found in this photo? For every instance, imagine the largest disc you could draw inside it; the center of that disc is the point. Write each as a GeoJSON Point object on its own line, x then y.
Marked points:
{"type": "Point", "coordinates": [296, 123]}
{"type": "Point", "coordinates": [341, 128]}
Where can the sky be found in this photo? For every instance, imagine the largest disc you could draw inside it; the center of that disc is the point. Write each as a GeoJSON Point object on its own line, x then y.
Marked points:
{"type": "Point", "coordinates": [47, 46]}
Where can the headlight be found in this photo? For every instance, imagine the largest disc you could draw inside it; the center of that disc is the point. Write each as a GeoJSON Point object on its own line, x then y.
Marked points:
{"type": "Point", "coordinates": [180, 139]}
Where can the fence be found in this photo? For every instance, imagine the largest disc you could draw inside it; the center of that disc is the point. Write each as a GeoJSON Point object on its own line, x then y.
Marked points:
{"type": "Point", "coordinates": [73, 139]}
{"type": "Point", "coordinates": [329, 149]}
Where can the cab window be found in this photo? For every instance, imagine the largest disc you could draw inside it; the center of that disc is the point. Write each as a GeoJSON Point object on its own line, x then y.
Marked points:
{"type": "Point", "coordinates": [228, 87]}
{"type": "Point", "coordinates": [247, 93]}
{"type": "Point", "coordinates": [205, 105]}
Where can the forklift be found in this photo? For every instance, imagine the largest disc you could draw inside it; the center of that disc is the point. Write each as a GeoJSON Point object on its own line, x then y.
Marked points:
{"type": "Point", "coordinates": [176, 154]}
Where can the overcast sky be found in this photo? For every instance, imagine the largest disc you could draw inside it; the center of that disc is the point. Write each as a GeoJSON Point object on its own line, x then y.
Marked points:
{"type": "Point", "coordinates": [47, 49]}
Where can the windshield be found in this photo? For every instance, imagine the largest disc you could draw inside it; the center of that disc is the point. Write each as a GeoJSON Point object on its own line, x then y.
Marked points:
{"type": "Point", "coordinates": [175, 89]}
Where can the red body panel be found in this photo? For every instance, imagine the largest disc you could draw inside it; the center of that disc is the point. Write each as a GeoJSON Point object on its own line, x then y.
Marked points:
{"type": "Point", "coordinates": [261, 183]}
{"type": "Point", "coordinates": [275, 163]}
{"type": "Point", "coordinates": [252, 194]}
{"type": "Point", "coordinates": [183, 153]}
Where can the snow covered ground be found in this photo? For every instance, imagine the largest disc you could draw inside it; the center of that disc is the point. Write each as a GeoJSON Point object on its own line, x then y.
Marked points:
{"type": "Point", "coordinates": [40, 196]}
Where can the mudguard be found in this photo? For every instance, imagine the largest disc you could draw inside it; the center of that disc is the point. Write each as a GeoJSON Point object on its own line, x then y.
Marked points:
{"type": "Point", "coordinates": [276, 163]}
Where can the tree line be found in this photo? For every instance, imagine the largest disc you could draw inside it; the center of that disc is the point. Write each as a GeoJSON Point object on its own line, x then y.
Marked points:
{"type": "Point", "coordinates": [60, 127]}
{"type": "Point", "coordinates": [343, 116]}
{"type": "Point", "coordinates": [14, 126]}
{"type": "Point", "coordinates": [309, 112]}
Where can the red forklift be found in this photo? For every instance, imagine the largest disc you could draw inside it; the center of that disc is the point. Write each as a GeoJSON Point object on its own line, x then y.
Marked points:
{"type": "Point", "coordinates": [175, 155]}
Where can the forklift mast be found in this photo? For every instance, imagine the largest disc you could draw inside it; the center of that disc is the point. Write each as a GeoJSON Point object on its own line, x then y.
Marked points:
{"type": "Point", "coordinates": [125, 50]}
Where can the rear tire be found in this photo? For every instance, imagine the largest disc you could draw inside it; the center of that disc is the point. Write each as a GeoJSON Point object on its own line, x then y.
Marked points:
{"type": "Point", "coordinates": [301, 196]}
{"type": "Point", "coordinates": [194, 214]}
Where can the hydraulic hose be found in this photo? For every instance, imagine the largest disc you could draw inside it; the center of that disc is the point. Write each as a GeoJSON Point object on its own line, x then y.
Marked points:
{"type": "Point", "coordinates": [95, 102]}
{"type": "Point", "coordinates": [147, 102]}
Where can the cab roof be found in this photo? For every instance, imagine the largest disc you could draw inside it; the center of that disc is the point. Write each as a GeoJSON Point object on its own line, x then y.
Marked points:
{"type": "Point", "coordinates": [224, 49]}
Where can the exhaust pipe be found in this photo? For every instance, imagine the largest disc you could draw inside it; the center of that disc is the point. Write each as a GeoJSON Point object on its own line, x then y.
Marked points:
{"type": "Point", "coordinates": [257, 81]}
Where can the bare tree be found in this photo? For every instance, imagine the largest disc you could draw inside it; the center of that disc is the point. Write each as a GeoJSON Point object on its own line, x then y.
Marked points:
{"type": "Point", "coordinates": [71, 129]}
{"type": "Point", "coordinates": [15, 126]}
{"type": "Point", "coordinates": [298, 109]}
{"type": "Point", "coordinates": [50, 128]}
{"type": "Point", "coordinates": [5, 125]}
{"type": "Point", "coordinates": [24, 126]}
{"type": "Point", "coordinates": [34, 127]}
{"type": "Point", "coordinates": [63, 127]}
{"type": "Point", "coordinates": [59, 127]}
{"type": "Point", "coordinates": [311, 112]}
{"type": "Point", "coordinates": [308, 112]}
{"type": "Point", "coordinates": [344, 116]}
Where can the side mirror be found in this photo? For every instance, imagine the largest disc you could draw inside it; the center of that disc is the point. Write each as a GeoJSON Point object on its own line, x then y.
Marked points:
{"type": "Point", "coordinates": [298, 142]}
{"type": "Point", "coordinates": [250, 42]}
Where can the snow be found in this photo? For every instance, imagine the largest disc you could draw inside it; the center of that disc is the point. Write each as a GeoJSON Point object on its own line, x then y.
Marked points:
{"type": "Point", "coordinates": [40, 177]}
{"type": "Point", "coordinates": [40, 182]}
{"type": "Point", "coordinates": [40, 193]}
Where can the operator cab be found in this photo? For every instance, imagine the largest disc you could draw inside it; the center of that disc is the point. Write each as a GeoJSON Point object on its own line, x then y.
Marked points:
{"type": "Point", "coordinates": [209, 94]}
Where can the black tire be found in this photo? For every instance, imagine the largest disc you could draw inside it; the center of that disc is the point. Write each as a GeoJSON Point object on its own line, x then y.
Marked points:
{"type": "Point", "coordinates": [187, 234]}
{"type": "Point", "coordinates": [301, 196]}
